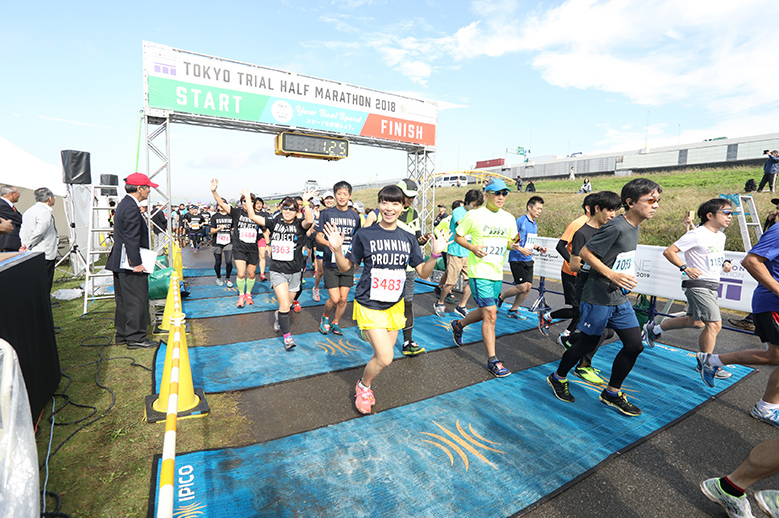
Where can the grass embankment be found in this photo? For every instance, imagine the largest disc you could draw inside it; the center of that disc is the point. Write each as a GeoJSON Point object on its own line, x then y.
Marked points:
{"type": "Point", "coordinates": [682, 191]}
{"type": "Point", "coordinates": [104, 470]}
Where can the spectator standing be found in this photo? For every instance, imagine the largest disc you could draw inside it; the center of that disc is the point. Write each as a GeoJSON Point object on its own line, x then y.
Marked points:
{"type": "Point", "coordinates": [10, 242]}
{"type": "Point", "coordinates": [571, 174]}
{"type": "Point", "coordinates": [39, 232]}
{"type": "Point", "coordinates": [770, 168]}
{"type": "Point", "coordinates": [131, 286]}
{"type": "Point", "coordinates": [519, 183]}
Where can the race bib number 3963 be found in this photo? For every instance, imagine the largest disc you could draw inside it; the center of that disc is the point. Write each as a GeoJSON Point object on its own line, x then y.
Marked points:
{"type": "Point", "coordinates": [387, 285]}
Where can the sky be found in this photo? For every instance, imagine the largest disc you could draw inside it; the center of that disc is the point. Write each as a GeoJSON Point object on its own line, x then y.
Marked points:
{"type": "Point", "coordinates": [553, 77]}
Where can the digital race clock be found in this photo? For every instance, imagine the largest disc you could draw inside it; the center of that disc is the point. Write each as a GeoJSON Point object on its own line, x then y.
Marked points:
{"type": "Point", "coordinates": [311, 146]}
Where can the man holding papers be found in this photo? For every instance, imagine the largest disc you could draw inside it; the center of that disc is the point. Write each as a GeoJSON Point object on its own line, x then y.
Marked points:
{"type": "Point", "coordinates": [131, 286]}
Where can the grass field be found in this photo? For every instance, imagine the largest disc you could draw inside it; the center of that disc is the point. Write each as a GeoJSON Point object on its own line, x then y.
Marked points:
{"type": "Point", "coordinates": [104, 469]}
{"type": "Point", "coordinates": [682, 191]}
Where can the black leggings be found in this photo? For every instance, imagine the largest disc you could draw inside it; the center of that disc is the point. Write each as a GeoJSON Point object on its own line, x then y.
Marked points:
{"type": "Point", "coordinates": [194, 237]}
{"type": "Point", "coordinates": [228, 263]}
{"type": "Point", "coordinates": [623, 363]}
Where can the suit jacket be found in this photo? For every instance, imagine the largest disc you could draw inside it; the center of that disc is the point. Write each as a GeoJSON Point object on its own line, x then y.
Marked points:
{"type": "Point", "coordinates": [11, 240]}
{"type": "Point", "coordinates": [130, 230]}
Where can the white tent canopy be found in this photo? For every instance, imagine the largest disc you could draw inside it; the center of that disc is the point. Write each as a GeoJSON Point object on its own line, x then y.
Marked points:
{"type": "Point", "coordinates": [21, 169]}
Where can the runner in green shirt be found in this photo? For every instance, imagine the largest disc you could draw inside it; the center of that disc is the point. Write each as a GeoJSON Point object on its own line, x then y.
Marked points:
{"type": "Point", "coordinates": [493, 232]}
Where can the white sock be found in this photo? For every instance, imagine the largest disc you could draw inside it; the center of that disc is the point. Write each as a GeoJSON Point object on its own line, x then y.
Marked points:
{"type": "Point", "coordinates": [715, 361]}
{"type": "Point", "coordinates": [565, 333]}
{"type": "Point", "coordinates": [363, 387]}
{"type": "Point", "coordinates": [657, 329]}
{"type": "Point", "coordinates": [762, 405]}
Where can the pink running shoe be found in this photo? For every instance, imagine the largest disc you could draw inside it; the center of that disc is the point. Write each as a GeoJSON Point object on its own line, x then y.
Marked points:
{"type": "Point", "coordinates": [241, 300]}
{"type": "Point", "coordinates": [364, 399]}
{"type": "Point", "coordinates": [248, 298]}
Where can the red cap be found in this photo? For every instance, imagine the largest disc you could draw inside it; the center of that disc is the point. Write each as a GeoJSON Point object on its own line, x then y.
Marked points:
{"type": "Point", "coordinates": [139, 179]}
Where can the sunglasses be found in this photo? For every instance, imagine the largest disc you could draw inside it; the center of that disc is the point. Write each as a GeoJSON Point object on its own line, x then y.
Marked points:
{"type": "Point", "coordinates": [652, 201]}
{"type": "Point", "coordinates": [289, 207]}
{"type": "Point", "coordinates": [726, 212]}
{"type": "Point", "coordinates": [504, 192]}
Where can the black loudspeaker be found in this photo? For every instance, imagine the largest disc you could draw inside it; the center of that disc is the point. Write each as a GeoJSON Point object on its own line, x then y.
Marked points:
{"type": "Point", "coordinates": [75, 167]}
{"type": "Point", "coordinates": [108, 179]}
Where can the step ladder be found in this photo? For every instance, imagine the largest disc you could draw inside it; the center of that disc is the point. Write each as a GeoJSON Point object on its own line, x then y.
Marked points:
{"type": "Point", "coordinates": [99, 243]}
{"type": "Point", "coordinates": [748, 219]}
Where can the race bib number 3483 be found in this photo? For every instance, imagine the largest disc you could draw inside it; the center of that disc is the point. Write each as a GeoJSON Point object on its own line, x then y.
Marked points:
{"type": "Point", "coordinates": [386, 284]}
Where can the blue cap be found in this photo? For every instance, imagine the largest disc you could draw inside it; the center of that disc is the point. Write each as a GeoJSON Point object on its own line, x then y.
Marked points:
{"type": "Point", "coordinates": [495, 185]}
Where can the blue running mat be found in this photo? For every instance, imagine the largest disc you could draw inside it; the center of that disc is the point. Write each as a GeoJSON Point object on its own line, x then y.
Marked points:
{"type": "Point", "coordinates": [245, 365]}
{"type": "Point", "coordinates": [225, 304]}
{"type": "Point", "coordinates": [490, 450]}
{"type": "Point", "coordinates": [208, 272]}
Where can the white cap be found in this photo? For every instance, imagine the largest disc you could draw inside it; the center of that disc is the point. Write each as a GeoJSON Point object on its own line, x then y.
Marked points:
{"type": "Point", "coordinates": [328, 194]}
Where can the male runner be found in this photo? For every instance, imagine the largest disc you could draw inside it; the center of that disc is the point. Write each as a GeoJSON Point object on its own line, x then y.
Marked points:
{"type": "Point", "coordinates": [762, 263]}
{"type": "Point", "coordinates": [568, 276]}
{"type": "Point", "coordinates": [610, 253]}
{"type": "Point", "coordinates": [458, 256]}
{"type": "Point", "coordinates": [492, 231]}
{"type": "Point", "coordinates": [521, 258]}
{"type": "Point", "coordinates": [603, 207]}
{"type": "Point", "coordinates": [704, 254]}
{"type": "Point", "coordinates": [193, 220]}
{"type": "Point", "coordinates": [338, 283]}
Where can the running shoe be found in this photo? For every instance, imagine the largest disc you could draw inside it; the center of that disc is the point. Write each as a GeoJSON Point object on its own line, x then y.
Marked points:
{"type": "Point", "coordinates": [276, 325]}
{"type": "Point", "coordinates": [336, 329]}
{"type": "Point", "coordinates": [315, 294]}
{"type": "Point", "coordinates": [589, 374]}
{"type": "Point", "coordinates": [241, 300]}
{"type": "Point", "coordinates": [296, 306]}
{"type": "Point", "coordinates": [229, 283]}
{"type": "Point", "coordinates": [650, 337]}
{"type": "Point", "coordinates": [324, 325]}
{"type": "Point", "coordinates": [457, 332]}
{"type": "Point", "coordinates": [513, 313]}
{"type": "Point", "coordinates": [620, 402]}
{"type": "Point", "coordinates": [736, 507]}
{"type": "Point", "coordinates": [289, 343]}
{"type": "Point", "coordinates": [768, 416]}
{"type": "Point", "coordinates": [560, 388]}
{"type": "Point", "coordinates": [500, 301]}
{"type": "Point", "coordinates": [450, 299]}
{"type": "Point", "coordinates": [437, 291]}
{"type": "Point", "coordinates": [721, 374]}
{"type": "Point", "coordinates": [564, 341]}
{"type": "Point", "coordinates": [708, 371]}
{"type": "Point", "coordinates": [411, 348]}
{"type": "Point", "coordinates": [460, 310]}
{"type": "Point", "coordinates": [440, 309]}
{"type": "Point", "coordinates": [744, 324]}
{"type": "Point", "coordinates": [262, 277]}
{"type": "Point", "coordinates": [249, 299]}
{"type": "Point", "coordinates": [364, 399]}
{"type": "Point", "coordinates": [497, 369]}
{"type": "Point", "coordinates": [544, 322]}
{"type": "Point", "coordinates": [219, 282]}
{"type": "Point", "coordinates": [768, 500]}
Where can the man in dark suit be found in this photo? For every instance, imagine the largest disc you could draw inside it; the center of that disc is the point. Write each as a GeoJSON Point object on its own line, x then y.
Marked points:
{"type": "Point", "coordinates": [10, 242]}
{"type": "Point", "coordinates": [131, 286]}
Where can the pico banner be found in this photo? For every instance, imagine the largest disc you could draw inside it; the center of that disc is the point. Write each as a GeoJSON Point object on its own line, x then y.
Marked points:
{"type": "Point", "coordinates": [181, 81]}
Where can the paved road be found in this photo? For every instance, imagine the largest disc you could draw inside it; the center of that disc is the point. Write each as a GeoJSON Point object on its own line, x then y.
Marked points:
{"type": "Point", "coordinates": [658, 477]}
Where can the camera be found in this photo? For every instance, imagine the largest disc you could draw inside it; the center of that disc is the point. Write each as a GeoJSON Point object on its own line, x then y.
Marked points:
{"type": "Point", "coordinates": [765, 151]}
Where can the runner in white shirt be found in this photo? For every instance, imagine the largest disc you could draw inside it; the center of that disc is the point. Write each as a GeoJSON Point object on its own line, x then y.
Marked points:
{"type": "Point", "coordinates": [704, 260]}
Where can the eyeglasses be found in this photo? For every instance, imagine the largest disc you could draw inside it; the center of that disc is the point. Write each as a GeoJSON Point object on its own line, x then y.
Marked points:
{"type": "Point", "coordinates": [726, 212]}
{"type": "Point", "coordinates": [504, 192]}
{"type": "Point", "coordinates": [652, 201]}
{"type": "Point", "coordinates": [288, 207]}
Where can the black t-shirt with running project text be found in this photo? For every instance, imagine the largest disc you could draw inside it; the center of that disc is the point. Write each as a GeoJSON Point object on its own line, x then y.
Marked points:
{"type": "Point", "coordinates": [346, 221]}
{"type": "Point", "coordinates": [244, 231]}
{"type": "Point", "coordinates": [287, 242]}
{"type": "Point", "coordinates": [223, 237]}
{"type": "Point", "coordinates": [385, 255]}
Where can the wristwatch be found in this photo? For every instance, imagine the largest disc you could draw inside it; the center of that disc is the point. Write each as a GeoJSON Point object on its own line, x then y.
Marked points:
{"type": "Point", "coordinates": [682, 267]}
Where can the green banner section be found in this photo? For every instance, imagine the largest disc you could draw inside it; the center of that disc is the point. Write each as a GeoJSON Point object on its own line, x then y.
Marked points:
{"type": "Point", "coordinates": [170, 94]}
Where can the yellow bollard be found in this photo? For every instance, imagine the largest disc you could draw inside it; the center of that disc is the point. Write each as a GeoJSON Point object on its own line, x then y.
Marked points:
{"type": "Point", "coordinates": [187, 400]}
{"type": "Point", "coordinates": [171, 302]}
{"type": "Point", "coordinates": [178, 263]}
